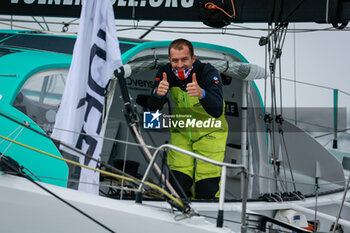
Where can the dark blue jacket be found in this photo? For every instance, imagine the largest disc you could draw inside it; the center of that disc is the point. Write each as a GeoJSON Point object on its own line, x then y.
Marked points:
{"type": "Point", "coordinates": [208, 78]}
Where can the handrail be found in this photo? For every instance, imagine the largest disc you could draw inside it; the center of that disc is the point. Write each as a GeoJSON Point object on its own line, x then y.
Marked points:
{"type": "Point", "coordinates": [224, 166]}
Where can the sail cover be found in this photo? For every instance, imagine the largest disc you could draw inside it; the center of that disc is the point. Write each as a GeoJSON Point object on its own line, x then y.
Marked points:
{"type": "Point", "coordinates": [237, 70]}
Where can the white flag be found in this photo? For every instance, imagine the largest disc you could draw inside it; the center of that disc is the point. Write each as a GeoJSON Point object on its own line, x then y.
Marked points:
{"type": "Point", "coordinates": [96, 55]}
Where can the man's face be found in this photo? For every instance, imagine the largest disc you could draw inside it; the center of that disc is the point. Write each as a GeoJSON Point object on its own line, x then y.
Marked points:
{"type": "Point", "coordinates": [181, 59]}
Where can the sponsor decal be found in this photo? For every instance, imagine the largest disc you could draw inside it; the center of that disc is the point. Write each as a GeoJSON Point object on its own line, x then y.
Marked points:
{"type": "Point", "coordinates": [139, 82]}
{"type": "Point", "coordinates": [231, 109]}
{"type": "Point", "coordinates": [48, 2]}
{"type": "Point", "coordinates": [119, 3]}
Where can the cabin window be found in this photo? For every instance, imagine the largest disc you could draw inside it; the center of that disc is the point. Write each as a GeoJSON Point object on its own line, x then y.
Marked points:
{"type": "Point", "coordinates": [41, 95]}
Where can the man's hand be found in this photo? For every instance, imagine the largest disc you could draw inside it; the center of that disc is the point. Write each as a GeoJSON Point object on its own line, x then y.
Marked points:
{"type": "Point", "coordinates": [193, 89]}
{"type": "Point", "coordinates": [163, 86]}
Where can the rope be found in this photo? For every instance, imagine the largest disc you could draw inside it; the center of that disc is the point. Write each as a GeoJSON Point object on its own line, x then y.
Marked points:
{"type": "Point", "coordinates": [212, 6]}
{"type": "Point", "coordinates": [177, 201]}
{"type": "Point", "coordinates": [83, 182]}
{"type": "Point", "coordinates": [13, 139]}
{"type": "Point", "coordinates": [20, 121]}
{"type": "Point", "coordinates": [142, 144]}
{"type": "Point", "coordinates": [26, 124]}
{"type": "Point", "coordinates": [10, 135]}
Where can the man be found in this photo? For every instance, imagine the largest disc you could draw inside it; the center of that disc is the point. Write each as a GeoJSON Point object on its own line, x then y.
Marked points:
{"type": "Point", "coordinates": [196, 90]}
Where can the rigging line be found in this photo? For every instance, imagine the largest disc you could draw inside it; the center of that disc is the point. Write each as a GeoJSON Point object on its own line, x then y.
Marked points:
{"type": "Point", "coordinates": [281, 94]}
{"type": "Point", "coordinates": [284, 33]}
{"type": "Point", "coordinates": [151, 29]}
{"type": "Point", "coordinates": [305, 30]}
{"type": "Point", "coordinates": [328, 142]}
{"type": "Point", "coordinates": [31, 173]}
{"type": "Point", "coordinates": [273, 76]}
{"type": "Point", "coordinates": [316, 85]}
{"type": "Point", "coordinates": [38, 23]}
{"type": "Point", "coordinates": [104, 138]}
{"type": "Point", "coordinates": [31, 21]}
{"type": "Point", "coordinates": [23, 174]}
{"type": "Point", "coordinates": [273, 108]}
{"type": "Point", "coordinates": [288, 160]}
{"type": "Point", "coordinates": [265, 80]}
{"type": "Point", "coordinates": [71, 148]}
{"type": "Point", "coordinates": [167, 209]}
{"type": "Point", "coordinates": [244, 29]}
{"type": "Point", "coordinates": [124, 163]}
{"type": "Point", "coordinates": [343, 131]}
{"type": "Point", "coordinates": [271, 125]}
{"type": "Point", "coordinates": [284, 170]}
{"type": "Point", "coordinates": [274, 162]}
{"type": "Point", "coordinates": [78, 151]}
{"type": "Point", "coordinates": [83, 182]}
{"type": "Point", "coordinates": [317, 125]}
{"type": "Point", "coordinates": [11, 134]}
{"type": "Point", "coordinates": [346, 93]}
{"type": "Point", "coordinates": [269, 151]}
{"type": "Point", "coordinates": [13, 139]}
{"type": "Point", "coordinates": [73, 20]}
{"type": "Point", "coordinates": [28, 28]}
{"type": "Point", "coordinates": [18, 121]}
{"type": "Point", "coordinates": [341, 205]}
{"type": "Point", "coordinates": [37, 30]}
{"type": "Point", "coordinates": [225, 220]}
{"type": "Point", "coordinates": [239, 27]}
{"type": "Point", "coordinates": [143, 28]}
{"type": "Point", "coordinates": [111, 186]}
{"type": "Point", "coordinates": [338, 182]}
{"type": "Point", "coordinates": [295, 77]}
{"type": "Point", "coordinates": [177, 201]}
{"type": "Point", "coordinates": [184, 32]}
{"type": "Point", "coordinates": [278, 35]}
{"type": "Point", "coordinates": [327, 134]}
{"type": "Point", "coordinates": [47, 26]}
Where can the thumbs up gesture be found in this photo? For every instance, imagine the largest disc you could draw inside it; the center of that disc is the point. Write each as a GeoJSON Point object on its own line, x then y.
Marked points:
{"type": "Point", "coordinates": [163, 86]}
{"type": "Point", "coordinates": [193, 89]}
